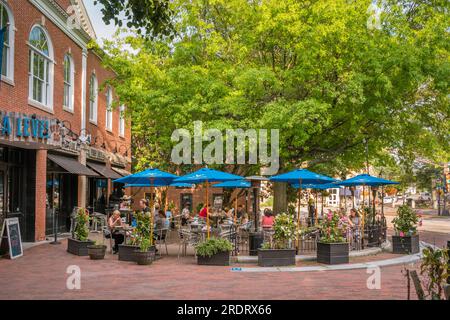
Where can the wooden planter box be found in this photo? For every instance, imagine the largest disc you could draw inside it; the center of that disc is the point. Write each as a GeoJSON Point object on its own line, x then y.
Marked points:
{"type": "Point", "coordinates": [219, 259]}
{"type": "Point", "coordinates": [276, 257]}
{"type": "Point", "coordinates": [405, 245]}
{"type": "Point", "coordinates": [126, 252]}
{"type": "Point", "coordinates": [332, 253]}
{"type": "Point", "coordinates": [77, 247]}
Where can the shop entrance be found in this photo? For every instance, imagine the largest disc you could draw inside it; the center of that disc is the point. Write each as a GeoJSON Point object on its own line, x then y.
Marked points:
{"type": "Point", "coordinates": [62, 198]}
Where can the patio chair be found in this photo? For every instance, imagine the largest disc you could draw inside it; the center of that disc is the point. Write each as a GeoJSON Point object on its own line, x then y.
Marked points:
{"type": "Point", "coordinates": [187, 238]}
{"type": "Point", "coordinates": [161, 237]}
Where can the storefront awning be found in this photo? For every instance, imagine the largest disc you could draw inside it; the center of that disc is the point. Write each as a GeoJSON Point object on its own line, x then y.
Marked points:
{"type": "Point", "coordinates": [121, 171]}
{"type": "Point", "coordinates": [71, 165]}
{"type": "Point", "coordinates": [103, 170]}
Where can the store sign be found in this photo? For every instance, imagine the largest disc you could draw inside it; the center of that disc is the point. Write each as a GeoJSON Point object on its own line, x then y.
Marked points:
{"type": "Point", "coordinates": [18, 127]}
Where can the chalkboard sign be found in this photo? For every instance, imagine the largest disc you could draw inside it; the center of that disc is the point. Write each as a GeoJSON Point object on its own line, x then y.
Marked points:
{"type": "Point", "coordinates": [12, 229]}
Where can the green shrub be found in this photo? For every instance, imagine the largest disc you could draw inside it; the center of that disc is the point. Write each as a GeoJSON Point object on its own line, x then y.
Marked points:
{"type": "Point", "coordinates": [81, 232]}
{"type": "Point", "coordinates": [213, 246]}
{"type": "Point", "coordinates": [331, 230]}
{"type": "Point", "coordinates": [142, 230]}
{"type": "Point", "coordinates": [405, 224]}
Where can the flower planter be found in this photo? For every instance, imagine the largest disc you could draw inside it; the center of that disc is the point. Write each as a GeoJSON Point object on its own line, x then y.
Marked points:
{"type": "Point", "coordinates": [276, 257]}
{"type": "Point", "coordinates": [126, 252]}
{"type": "Point", "coordinates": [218, 259]}
{"type": "Point", "coordinates": [332, 253]}
{"type": "Point", "coordinates": [145, 258]}
{"type": "Point", "coordinates": [78, 247]}
{"type": "Point", "coordinates": [405, 245]}
{"type": "Point", "coordinates": [97, 252]}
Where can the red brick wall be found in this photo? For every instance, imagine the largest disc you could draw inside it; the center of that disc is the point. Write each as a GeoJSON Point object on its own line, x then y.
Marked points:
{"type": "Point", "coordinates": [112, 138]}
{"type": "Point", "coordinates": [15, 98]}
{"type": "Point", "coordinates": [40, 205]}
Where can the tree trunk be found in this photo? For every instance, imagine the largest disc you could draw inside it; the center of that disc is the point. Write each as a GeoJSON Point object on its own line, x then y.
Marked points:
{"type": "Point", "coordinates": [279, 197]}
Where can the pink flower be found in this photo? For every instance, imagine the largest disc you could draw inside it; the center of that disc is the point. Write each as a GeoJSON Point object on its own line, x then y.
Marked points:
{"type": "Point", "coordinates": [402, 234]}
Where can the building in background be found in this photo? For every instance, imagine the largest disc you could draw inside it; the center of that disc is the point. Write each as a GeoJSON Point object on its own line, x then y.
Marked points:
{"type": "Point", "coordinates": [61, 142]}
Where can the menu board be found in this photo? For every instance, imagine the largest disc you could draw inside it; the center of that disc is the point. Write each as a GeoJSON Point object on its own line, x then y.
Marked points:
{"type": "Point", "coordinates": [12, 229]}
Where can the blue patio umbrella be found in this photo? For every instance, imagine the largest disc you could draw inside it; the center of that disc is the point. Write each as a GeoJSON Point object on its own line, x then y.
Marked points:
{"type": "Point", "coordinates": [301, 177]}
{"type": "Point", "coordinates": [153, 178]}
{"type": "Point", "coordinates": [143, 185]}
{"type": "Point", "coordinates": [236, 184]}
{"type": "Point", "coordinates": [206, 175]}
{"type": "Point", "coordinates": [367, 180]}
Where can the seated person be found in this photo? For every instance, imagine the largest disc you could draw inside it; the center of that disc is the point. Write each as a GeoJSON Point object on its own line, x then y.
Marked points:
{"type": "Point", "coordinates": [114, 222]}
{"type": "Point", "coordinates": [185, 215]}
{"type": "Point", "coordinates": [244, 218]}
{"type": "Point", "coordinates": [267, 219]}
{"type": "Point", "coordinates": [205, 211]}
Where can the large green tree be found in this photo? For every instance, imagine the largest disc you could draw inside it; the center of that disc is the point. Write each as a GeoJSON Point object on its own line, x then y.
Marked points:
{"type": "Point", "coordinates": [332, 78]}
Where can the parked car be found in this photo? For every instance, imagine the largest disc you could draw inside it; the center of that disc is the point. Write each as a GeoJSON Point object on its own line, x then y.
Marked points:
{"type": "Point", "coordinates": [425, 196]}
{"type": "Point", "coordinates": [388, 199]}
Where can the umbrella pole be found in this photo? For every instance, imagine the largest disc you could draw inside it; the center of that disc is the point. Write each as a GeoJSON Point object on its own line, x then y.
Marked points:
{"type": "Point", "coordinates": [207, 211]}
{"type": "Point", "coordinates": [321, 199]}
{"type": "Point", "coordinates": [299, 207]}
{"type": "Point", "coordinates": [152, 210]}
{"type": "Point", "coordinates": [345, 199]}
{"type": "Point", "coordinates": [315, 209]}
{"type": "Point", "coordinates": [235, 208]}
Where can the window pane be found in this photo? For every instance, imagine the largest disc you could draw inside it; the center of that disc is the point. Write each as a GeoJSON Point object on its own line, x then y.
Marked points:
{"type": "Point", "coordinates": [39, 40]}
{"type": "Point", "coordinates": [4, 19]}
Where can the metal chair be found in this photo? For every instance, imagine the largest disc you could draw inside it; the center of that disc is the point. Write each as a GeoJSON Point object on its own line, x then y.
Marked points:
{"type": "Point", "coordinates": [161, 236]}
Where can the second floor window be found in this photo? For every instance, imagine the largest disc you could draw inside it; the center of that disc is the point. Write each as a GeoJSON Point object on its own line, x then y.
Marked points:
{"type": "Point", "coordinates": [68, 83]}
{"type": "Point", "coordinates": [7, 56]}
{"type": "Point", "coordinates": [122, 121]}
{"type": "Point", "coordinates": [93, 98]}
{"type": "Point", "coordinates": [109, 112]}
{"type": "Point", "coordinates": [40, 68]}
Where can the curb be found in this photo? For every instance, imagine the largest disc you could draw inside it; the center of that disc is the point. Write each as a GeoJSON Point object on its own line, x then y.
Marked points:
{"type": "Point", "coordinates": [353, 266]}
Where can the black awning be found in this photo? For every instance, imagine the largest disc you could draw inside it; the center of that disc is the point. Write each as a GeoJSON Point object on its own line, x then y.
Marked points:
{"type": "Point", "coordinates": [71, 165]}
{"type": "Point", "coordinates": [121, 171]}
{"type": "Point", "coordinates": [103, 170]}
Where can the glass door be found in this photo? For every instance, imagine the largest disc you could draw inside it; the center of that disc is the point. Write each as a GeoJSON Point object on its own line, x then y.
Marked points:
{"type": "Point", "coordinates": [2, 197]}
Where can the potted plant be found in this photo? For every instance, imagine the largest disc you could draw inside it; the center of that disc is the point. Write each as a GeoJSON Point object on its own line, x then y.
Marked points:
{"type": "Point", "coordinates": [279, 251]}
{"type": "Point", "coordinates": [406, 239]}
{"type": "Point", "coordinates": [214, 252]}
{"type": "Point", "coordinates": [96, 251]}
{"type": "Point", "coordinates": [79, 241]}
{"type": "Point", "coordinates": [332, 247]}
{"type": "Point", "coordinates": [435, 270]}
{"type": "Point", "coordinates": [140, 232]}
{"type": "Point", "coordinates": [146, 253]}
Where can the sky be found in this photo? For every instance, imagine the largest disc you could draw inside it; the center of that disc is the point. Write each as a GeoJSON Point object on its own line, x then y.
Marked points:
{"type": "Point", "coordinates": [101, 29]}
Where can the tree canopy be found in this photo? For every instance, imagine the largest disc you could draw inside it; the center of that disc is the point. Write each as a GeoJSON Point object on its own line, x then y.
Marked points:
{"type": "Point", "coordinates": [331, 82]}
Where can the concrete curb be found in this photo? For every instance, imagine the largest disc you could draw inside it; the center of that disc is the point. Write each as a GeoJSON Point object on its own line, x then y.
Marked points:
{"type": "Point", "coordinates": [353, 254]}
{"type": "Point", "coordinates": [373, 264]}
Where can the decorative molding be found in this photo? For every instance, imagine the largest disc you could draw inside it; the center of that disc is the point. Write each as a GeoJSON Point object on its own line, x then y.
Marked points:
{"type": "Point", "coordinates": [58, 16]}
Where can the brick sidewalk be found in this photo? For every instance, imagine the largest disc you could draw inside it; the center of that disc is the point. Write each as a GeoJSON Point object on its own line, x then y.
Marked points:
{"type": "Point", "coordinates": [41, 274]}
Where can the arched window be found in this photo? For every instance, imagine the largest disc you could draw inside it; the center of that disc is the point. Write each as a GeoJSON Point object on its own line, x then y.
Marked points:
{"type": "Point", "coordinates": [7, 62]}
{"type": "Point", "coordinates": [122, 121]}
{"type": "Point", "coordinates": [40, 68]}
{"type": "Point", "coordinates": [109, 113]}
{"type": "Point", "coordinates": [93, 98]}
{"type": "Point", "coordinates": [69, 75]}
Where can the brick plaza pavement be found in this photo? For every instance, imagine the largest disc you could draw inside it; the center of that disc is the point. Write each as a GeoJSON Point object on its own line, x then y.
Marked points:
{"type": "Point", "coordinates": [41, 274]}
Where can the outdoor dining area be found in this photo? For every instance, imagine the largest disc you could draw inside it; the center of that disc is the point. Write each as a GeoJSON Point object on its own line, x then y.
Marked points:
{"type": "Point", "coordinates": [145, 235]}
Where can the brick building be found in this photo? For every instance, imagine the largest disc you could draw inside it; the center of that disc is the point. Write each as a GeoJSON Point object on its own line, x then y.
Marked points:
{"type": "Point", "coordinates": [61, 142]}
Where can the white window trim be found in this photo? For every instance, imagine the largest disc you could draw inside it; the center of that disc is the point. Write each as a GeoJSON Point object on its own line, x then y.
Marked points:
{"type": "Point", "coordinates": [93, 116]}
{"type": "Point", "coordinates": [9, 78]}
{"type": "Point", "coordinates": [51, 63]}
{"type": "Point", "coordinates": [71, 107]}
{"type": "Point", "coordinates": [122, 123]}
{"type": "Point", "coordinates": [109, 112]}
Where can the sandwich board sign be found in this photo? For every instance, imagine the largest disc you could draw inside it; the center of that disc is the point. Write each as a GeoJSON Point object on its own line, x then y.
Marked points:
{"type": "Point", "coordinates": [12, 229]}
